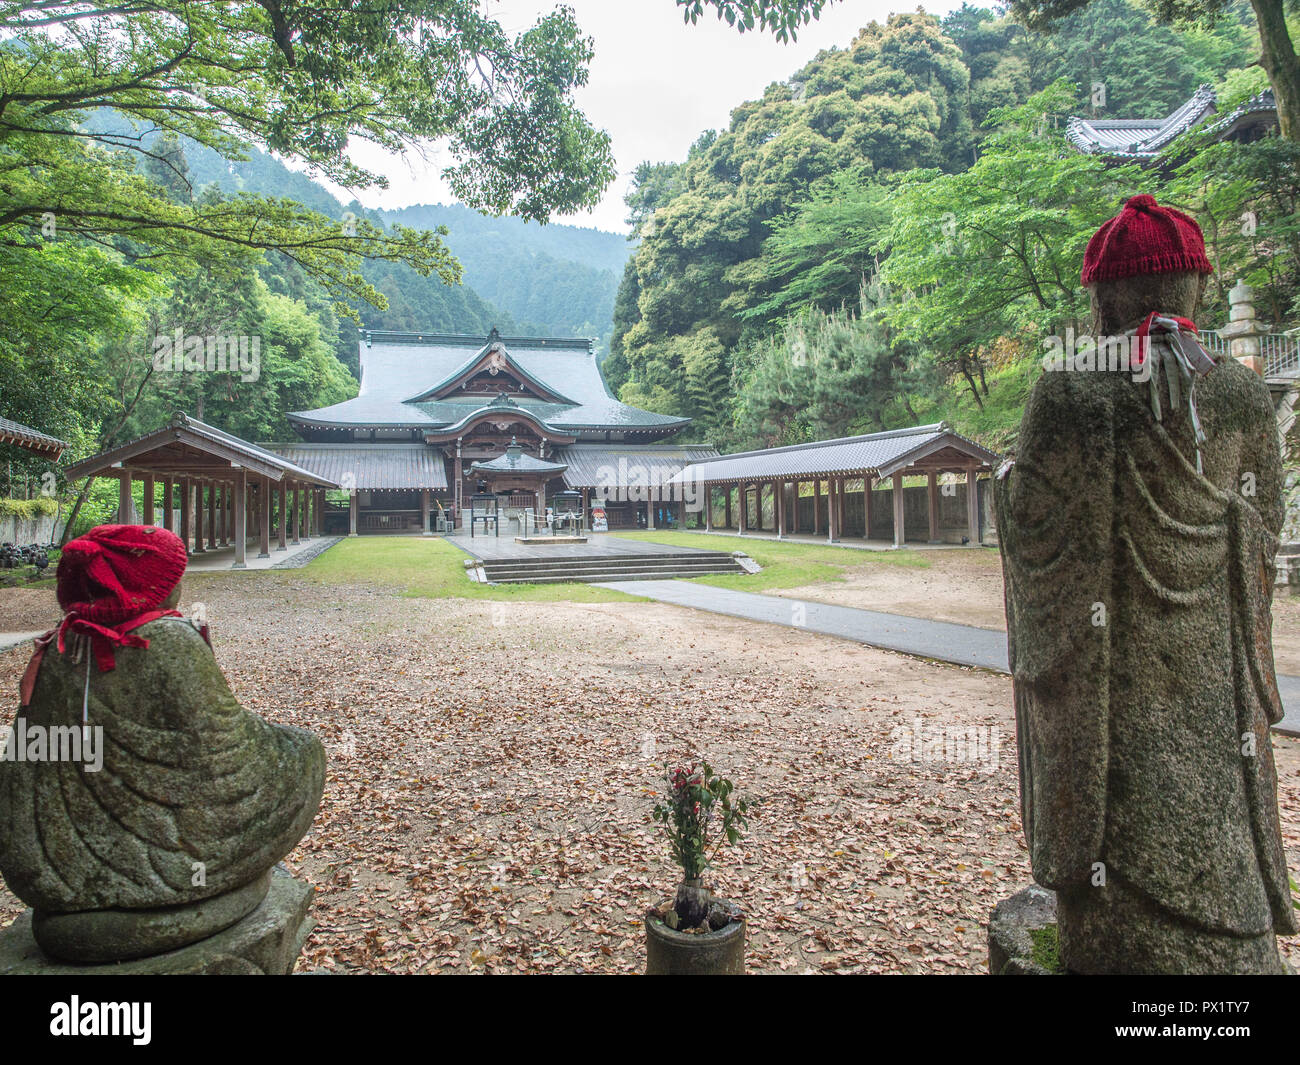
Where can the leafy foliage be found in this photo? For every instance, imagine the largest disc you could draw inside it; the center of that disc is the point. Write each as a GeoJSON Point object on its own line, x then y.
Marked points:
{"type": "Point", "coordinates": [957, 204]}
{"type": "Point", "coordinates": [687, 816]}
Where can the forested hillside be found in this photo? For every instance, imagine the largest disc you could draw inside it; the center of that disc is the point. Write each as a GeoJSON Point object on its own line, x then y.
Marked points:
{"type": "Point", "coordinates": [552, 280]}
{"type": "Point", "coordinates": [888, 235]}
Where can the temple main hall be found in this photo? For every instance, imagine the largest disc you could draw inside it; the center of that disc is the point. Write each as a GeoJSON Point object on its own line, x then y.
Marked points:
{"type": "Point", "coordinates": [442, 418]}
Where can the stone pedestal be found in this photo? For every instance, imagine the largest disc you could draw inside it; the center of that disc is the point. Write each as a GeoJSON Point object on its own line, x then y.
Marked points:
{"type": "Point", "coordinates": [1242, 331]}
{"type": "Point", "coordinates": [1022, 934]}
{"type": "Point", "coordinates": [267, 941]}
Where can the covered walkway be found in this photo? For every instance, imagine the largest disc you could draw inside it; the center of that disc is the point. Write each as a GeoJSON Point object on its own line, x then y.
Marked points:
{"type": "Point", "coordinates": [837, 488]}
{"type": "Point", "coordinates": [227, 488]}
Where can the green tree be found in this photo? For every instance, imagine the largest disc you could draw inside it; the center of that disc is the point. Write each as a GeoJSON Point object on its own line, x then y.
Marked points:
{"type": "Point", "coordinates": [995, 251]}
{"type": "Point", "coordinates": [892, 101]}
{"type": "Point", "coordinates": [302, 81]}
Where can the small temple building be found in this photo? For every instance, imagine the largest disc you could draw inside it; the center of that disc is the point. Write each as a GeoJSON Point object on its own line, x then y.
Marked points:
{"type": "Point", "coordinates": [442, 418]}
{"type": "Point", "coordinates": [1145, 140]}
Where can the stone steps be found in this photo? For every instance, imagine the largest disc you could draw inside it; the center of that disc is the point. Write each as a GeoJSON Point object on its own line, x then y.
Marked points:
{"type": "Point", "coordinates": [609, 568]}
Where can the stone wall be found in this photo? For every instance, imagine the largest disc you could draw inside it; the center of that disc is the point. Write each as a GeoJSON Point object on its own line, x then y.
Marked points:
{"type": "Point", "coordinates": [42, 530]}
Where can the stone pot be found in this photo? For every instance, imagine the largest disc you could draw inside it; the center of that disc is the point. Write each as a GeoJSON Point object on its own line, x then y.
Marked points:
{"type": "Point", "coordinates": [672, 953]}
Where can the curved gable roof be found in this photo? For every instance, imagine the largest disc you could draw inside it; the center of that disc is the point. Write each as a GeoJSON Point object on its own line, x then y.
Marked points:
{"type": "Point", "coordinates": [481, 360]}
{"type": "Point", "coordinates": [396, 367]}
{"type": "Point", "coordinates": [1140, 138]}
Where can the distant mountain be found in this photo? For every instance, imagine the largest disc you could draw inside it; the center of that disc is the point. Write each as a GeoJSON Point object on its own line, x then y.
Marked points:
{"type": "Point", "coordinates": [555, 280]}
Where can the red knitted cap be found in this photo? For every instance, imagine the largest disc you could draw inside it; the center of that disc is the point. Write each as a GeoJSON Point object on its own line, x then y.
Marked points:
{"type": "Point", "coordinates": [1145, 238]}
{"type": "Point", "coordinates": [115, 572]}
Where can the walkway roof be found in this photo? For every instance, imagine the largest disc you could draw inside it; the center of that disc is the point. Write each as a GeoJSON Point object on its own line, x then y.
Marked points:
{"type": "Point", "coordinates": [186, 447]}
{"type": "Point", "coordinates": [922, 449]}
{"type": "Point", "coordinates": [30, 439]}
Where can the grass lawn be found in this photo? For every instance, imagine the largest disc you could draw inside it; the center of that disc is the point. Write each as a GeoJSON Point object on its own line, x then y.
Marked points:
{"type": "Point", "coordinates": [432, 569]}
{"type": "Point", "coordinates": [785, 564]}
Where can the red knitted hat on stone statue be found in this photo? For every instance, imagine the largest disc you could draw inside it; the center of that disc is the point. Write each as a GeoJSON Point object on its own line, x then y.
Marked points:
{"type": "Point", "coordinates": [116, 572]}
{"type": "Point", "coordinates": [1145, 238]}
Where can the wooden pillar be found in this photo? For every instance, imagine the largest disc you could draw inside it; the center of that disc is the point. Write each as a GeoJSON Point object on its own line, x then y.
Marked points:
{"type": "Point", "coordinates": [742, 508]}
{"type": "Point", "coordinates": [973, 505]}
{"type": "Point", "coordinates": [294, 514]}
{"type": "Point", "coordinates": [841, 508]}
{"type": "Point", "coordinates": [241, 518]}
{"type": "Point", "coordinates": [832, 512]}
{"type": "Point", "coordinates": [229, 499]}
{"type": "Point", "coordinates": [214, 541]}
{"type": "Point", "coordinates": [817, 507]}
{"type": "Point", "coordinates": [866, 506]}
{"type": "Point", "coordinates": [900, 533]}
{"type": "Point", "coordinates": [146, 503]}
{"type": "Point", "coordinates": [778, 501]}
{"type": "Point", "coordinates": [187, 507]}
{"type": "Point", "coordinates": [794, 507]}
{"type": "Point", "coordinates": [352, 510]}
{"type": "Point", "coordinates": [726, 509]}
{"type": "Point", "coordinates": [198, 517]}
{"type": "Point", "coordinates": [281, 529]}
{"type": "Point", "coordinates": [458, 492]}
{"type": "Point", "coordinates": [758, 507]}
{"type": "Point", "coordinates": [264, 518]}
{"type": "Point", "coordinates": [318, 519]}
{"type": "Point", "coordinates": [708, 508]}
{"type": "Point", "coordinates": [168, 500]}
{"type": "Point", "coordinates": [424, 511]}
{"type": "Point", "coordinates": [932, 505]}
{"type": "Point", "coordinates": [649, 509]}
{"type": "Point", "coordinates": [123, 497]}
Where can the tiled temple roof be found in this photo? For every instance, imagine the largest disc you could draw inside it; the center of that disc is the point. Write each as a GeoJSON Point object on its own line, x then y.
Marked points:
{"type": "Point", "coordinates": [875, 454]}
{"type": "Point", "coordinates": [398, 370]}
{"type": "Point", "coordinates": [370, 467]}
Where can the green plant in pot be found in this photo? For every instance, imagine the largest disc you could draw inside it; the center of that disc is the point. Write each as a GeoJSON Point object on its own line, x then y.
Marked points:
{"type": "Point", "coordinates": [697, 932]}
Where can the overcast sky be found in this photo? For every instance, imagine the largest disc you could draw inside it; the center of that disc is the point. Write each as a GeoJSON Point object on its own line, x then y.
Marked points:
{"type": "Point", "coordinates": [656, 84]}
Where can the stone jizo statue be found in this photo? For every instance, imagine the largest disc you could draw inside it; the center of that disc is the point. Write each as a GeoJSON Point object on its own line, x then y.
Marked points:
{"type": "Point", "coordinates": [1138, 528]}
{"type": "Point", "coordinates": [173, 838]}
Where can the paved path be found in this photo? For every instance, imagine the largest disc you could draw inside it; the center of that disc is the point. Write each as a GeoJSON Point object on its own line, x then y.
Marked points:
{"type": "Point", "coordinates": [964, 645]}
{"type": "Point", "coordinates": [13, 639]}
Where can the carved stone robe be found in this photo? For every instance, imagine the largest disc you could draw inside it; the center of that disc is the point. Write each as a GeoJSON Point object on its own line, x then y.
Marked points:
{"type": "Point", "coordinates": [1138, 601]}
{"type": "Point", "coordinates": [188, 777]}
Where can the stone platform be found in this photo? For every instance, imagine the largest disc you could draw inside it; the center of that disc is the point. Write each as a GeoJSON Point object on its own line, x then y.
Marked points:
{"type": "Point", "coordinates": [266, 942]}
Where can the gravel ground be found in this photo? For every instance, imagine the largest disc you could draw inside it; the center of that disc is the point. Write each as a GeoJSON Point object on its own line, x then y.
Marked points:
{"type": "Point", "coordinates": [492, 767]}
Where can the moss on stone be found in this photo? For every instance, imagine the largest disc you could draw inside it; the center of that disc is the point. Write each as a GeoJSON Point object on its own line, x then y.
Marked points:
{"type": "Point", "coordinates": [1047, 948]}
